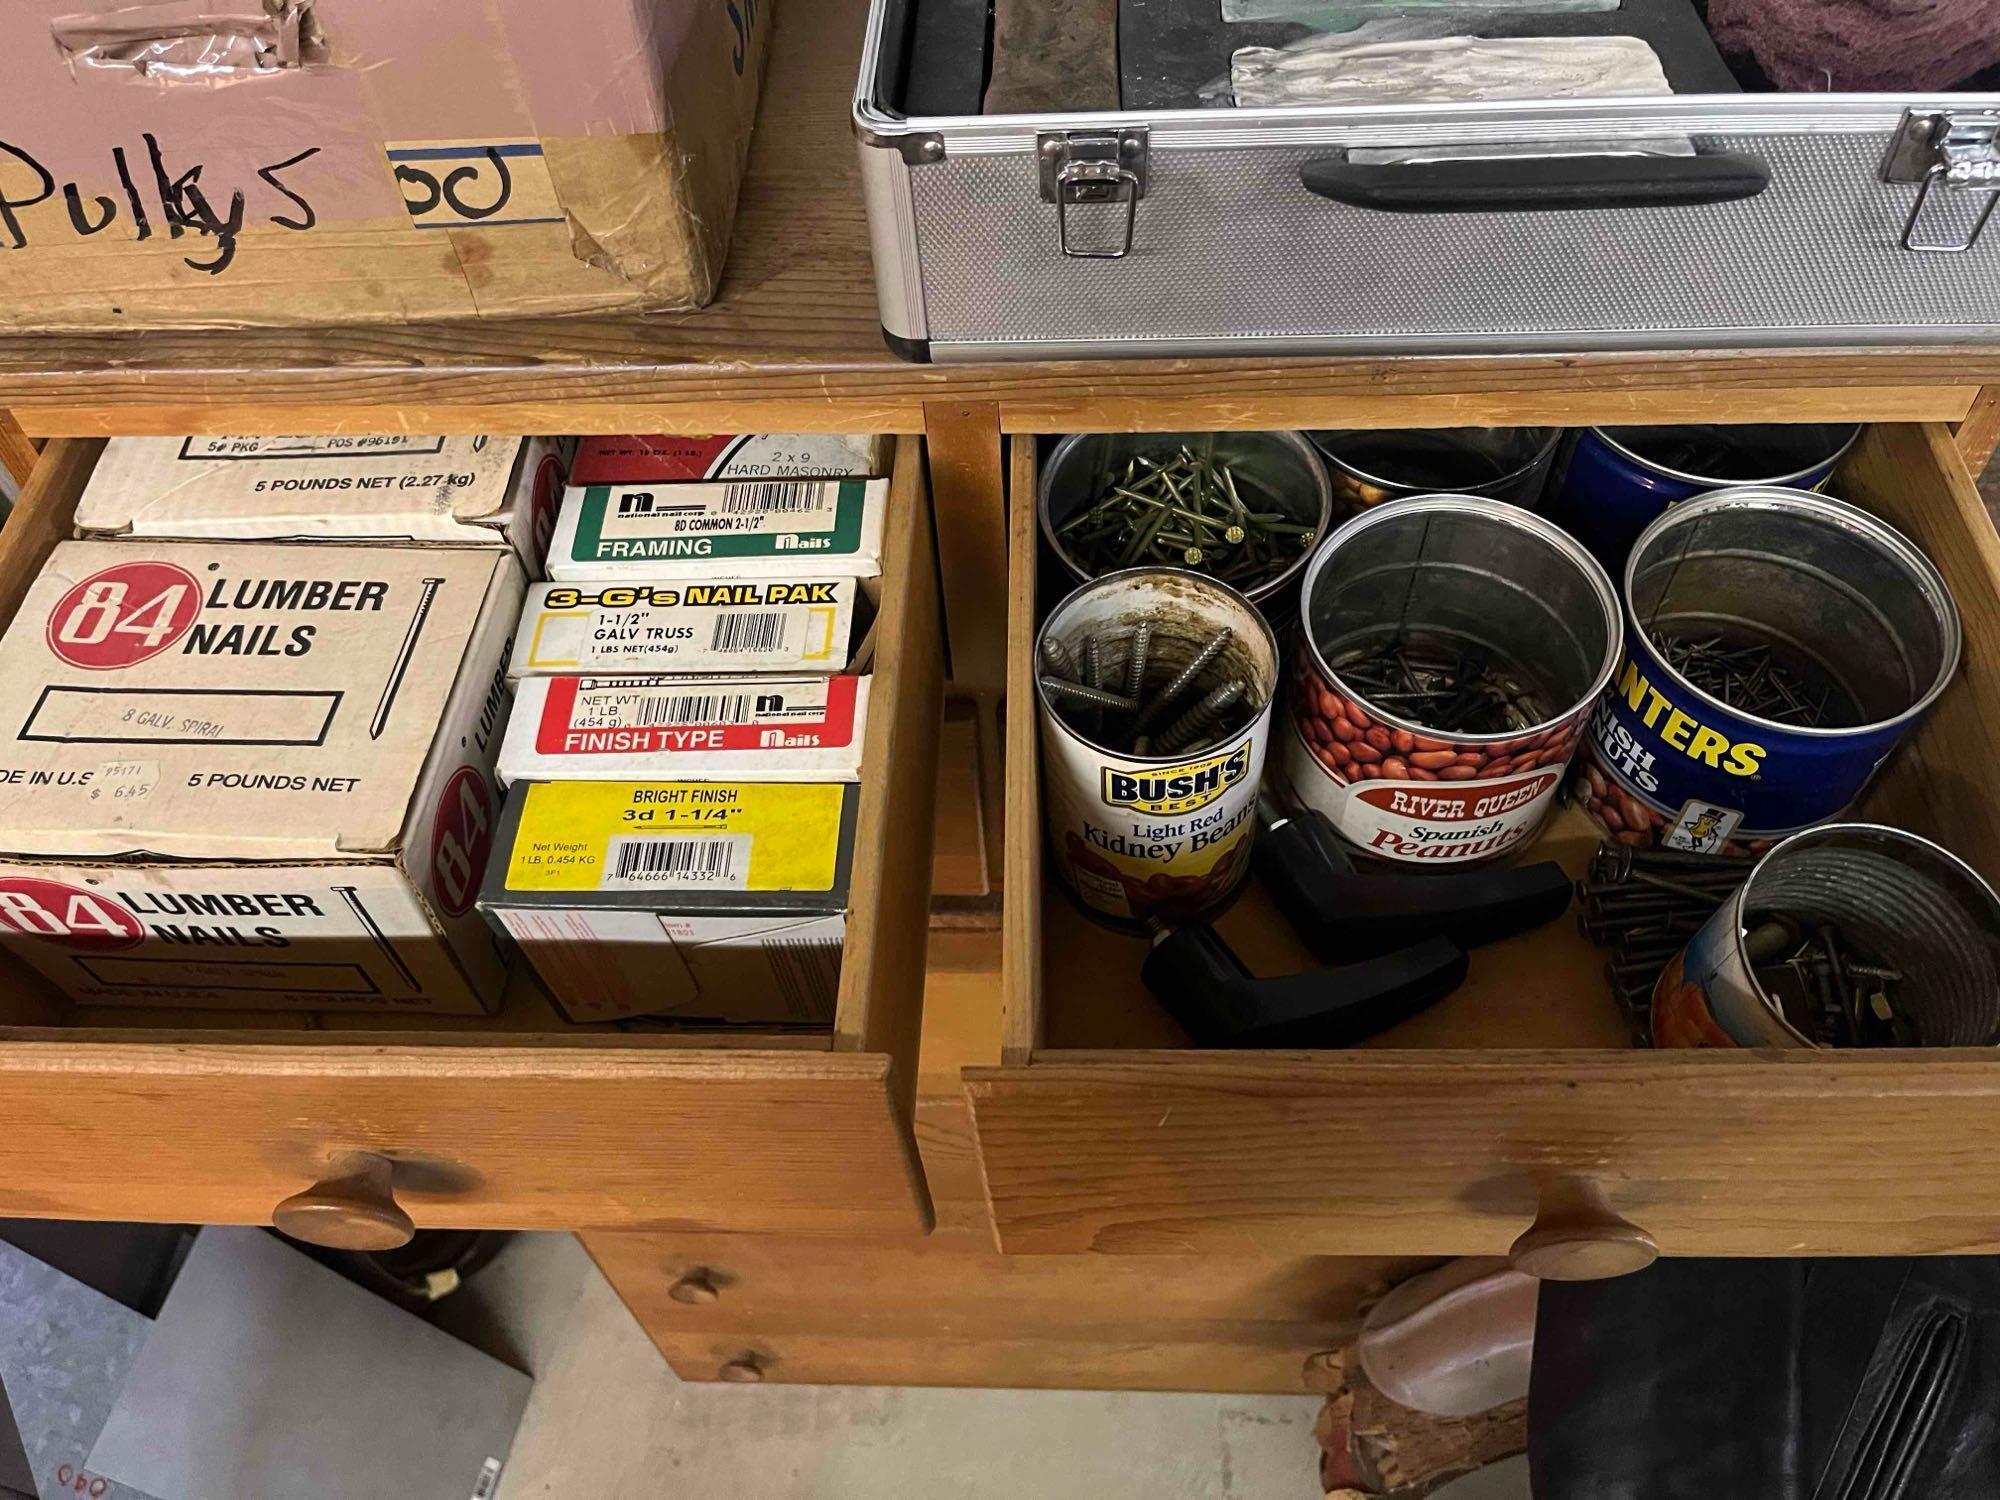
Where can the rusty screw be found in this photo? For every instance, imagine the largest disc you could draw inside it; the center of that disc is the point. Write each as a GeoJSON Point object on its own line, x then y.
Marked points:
{"type": "Point", "coordinates": [1081, 692]}
{"type": "Point", "coordinates": [1198, 723]}
{"type": "Point", "coordinates": [1184, 679]}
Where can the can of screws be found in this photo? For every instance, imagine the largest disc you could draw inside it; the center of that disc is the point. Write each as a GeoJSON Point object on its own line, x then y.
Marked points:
{"type": "Point", "coordinates": [1242, 507]}
{"type": "Point", "coordinates": [1451, 651]}
{"type": "Point", "coordinates": [1504, 463]}
{"type": "Point", "coordinates": [1615, 481]}
{"type": "Point", "coordinates": [1849, 935]}
{"type": "Point", "coordinates": [1155, 689]}
{"type": "Point", "coordinates": [1778, 644]}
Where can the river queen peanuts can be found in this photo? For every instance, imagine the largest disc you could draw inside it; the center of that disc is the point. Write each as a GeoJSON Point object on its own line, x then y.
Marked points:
{"type": "Point", "coordinates": [1445, 589]}
{"type": "Point", "coordinates": [1139, 835]}
{"type": "Point", "coordinates": [1806, 638]}
{"type": "Point", "coordinates": [1911, 906]}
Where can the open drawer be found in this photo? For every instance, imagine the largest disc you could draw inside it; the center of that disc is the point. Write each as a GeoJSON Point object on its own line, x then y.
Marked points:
{"type": "Point", "coordinates": [1101, 1131]}
{"type": "Point", "coordinates": [519, 1119]}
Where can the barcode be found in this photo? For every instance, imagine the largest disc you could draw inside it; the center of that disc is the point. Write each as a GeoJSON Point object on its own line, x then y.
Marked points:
{"type": "Point", "coordinates": [696, 860]}
{"type": "Point", "coordinates": [695, 708]}
{"type": "Point", "coordinates": [761, 630]}
{"type": "Point", "coordinates": [750, 499]}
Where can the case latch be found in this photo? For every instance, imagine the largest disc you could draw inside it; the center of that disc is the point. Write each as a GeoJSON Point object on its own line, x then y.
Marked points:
{"type": "Point", "coordinates": [1958, 150]}
{"type": "Point", "coordinates": [1089, 168]}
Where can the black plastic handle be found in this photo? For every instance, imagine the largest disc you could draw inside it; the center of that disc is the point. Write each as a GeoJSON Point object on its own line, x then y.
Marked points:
{"type": "Point", "coordinates": [1343, 915]}
{"type": "Point", "coordinates": [1536, 184]}
{"type": "Point", "coordinates": [1220, 1003]}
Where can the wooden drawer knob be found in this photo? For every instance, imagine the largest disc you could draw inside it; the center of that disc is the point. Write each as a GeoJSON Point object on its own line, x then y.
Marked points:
{"type": "Point", "coordinates": [746, 1369]}
{"type": "Point", "coordinates": [353, 1207]}
{"type": "Point", "coordinates": [696, 1287]}
{"type": "Point", "coordinates": [1577, 1237]}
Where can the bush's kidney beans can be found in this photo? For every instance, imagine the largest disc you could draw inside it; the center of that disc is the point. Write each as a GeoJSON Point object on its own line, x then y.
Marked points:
{"type": "Point", "coordinates": [1862, 623]}
{"type": "Point", "coordinates": [1156, 836]}
{"type": "Point", "coordinates": [1458, 579]}
{"type": "Point", "coordinates": [1615, 481]}
{"type": "Point", "coordinates": [1908, 903]}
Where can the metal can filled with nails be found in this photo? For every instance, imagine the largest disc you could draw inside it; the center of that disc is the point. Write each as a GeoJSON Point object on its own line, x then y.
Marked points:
{"type": "Point", "coordinates": [1612, 482]}
{"type": "Point", "coordinates": [1155, 688]}
{"type": "Point", "coordinates": [1778, 645]}
{"type": "Point", "coordinates": [1848, 935]}
{"type": "Point", "coordinates": [1450, 653]}
{"type": "Point", "coordinates": [1242, 507]}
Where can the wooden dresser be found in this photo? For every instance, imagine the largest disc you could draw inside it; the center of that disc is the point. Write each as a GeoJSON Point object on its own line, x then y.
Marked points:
{"type": "Point", "coordinates": [1004, 1166]}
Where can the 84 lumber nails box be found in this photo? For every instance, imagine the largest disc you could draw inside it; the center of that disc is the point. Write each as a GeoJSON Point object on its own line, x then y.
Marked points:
{"type": "Point", "coordinates": [255, 776]}
{"type": "Point", "coordinates": [475, 491]}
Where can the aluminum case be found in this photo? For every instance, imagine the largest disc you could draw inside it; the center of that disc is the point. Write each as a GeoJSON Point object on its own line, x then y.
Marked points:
{"type": "Point", "coordinates": [1867, 232]}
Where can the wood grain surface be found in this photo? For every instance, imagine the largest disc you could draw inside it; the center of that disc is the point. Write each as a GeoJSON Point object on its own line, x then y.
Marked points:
{"type": "Point", "coordinates": [1941, 782]}
{"type": "Point", "coordinates": [519, 1119]}
{"type": "Point", "coordinates": [1979, 434]}
{"type": "Point", "coordinates": [1444, 1152]}
{"type": "Point", "coordinates": [950, 1310]}
{"type": "Point", "coordinates": [44, 515]}
{"type": "Point", "coordinates": [1021, 972]}
{"type": "Point", "coordinates": [18, 451]}
{"type": "Point", "coordinates": [1149, 1355]}
{"type": "Point", "coordinates": [882, 969]}
{"type": "Point", "coordinates": [794, 343]}
{"type": "Point", "coordinates": [963, 444]}
{"type": "Point", "coordinates": [482, 1136]}
{"type": "Point", "coordinates": [1439, 1137]}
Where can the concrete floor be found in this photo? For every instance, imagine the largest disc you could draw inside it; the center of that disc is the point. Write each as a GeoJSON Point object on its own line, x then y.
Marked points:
{"type": "Point", "coordinates": [609, 1421]}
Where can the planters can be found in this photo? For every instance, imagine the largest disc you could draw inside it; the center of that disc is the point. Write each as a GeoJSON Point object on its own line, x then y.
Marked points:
{"type": "Point", "coordinates": [1616, 481]}
{"type": "Point", "coordinates": [1474, 575]}
{"type": "Point", "coordinates": [1851, 600]}
{"type": "Point", "coordinates": [1911, 904]}
{"type": "Point", "coordinates": [1164, 837]}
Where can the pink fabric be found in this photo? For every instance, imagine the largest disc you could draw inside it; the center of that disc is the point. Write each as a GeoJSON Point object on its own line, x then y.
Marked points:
{"type": "Point", "coordinates": [1861, 46]}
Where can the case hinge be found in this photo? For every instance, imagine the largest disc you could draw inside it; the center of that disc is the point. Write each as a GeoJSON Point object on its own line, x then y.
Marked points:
{"type": "Point", "coordinates": [1958, 150]}
{"type": "Point", "coordinates": [1080, 167]}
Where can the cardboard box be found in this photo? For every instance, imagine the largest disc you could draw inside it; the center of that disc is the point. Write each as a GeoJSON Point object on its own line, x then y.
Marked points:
{"type": "Point", "coordinates": [782, 528]}
{"type": "Point", "coordinates": [728, 626]}
{"type": "Point", "coordinates": [490, 491]}
{"type": "Point", "coordinates": [663, 458]}
{"type": "Point", "coordinates": [701, 901]}
{"type": "Point", "coordinates": [686, 729]}
{"type": "Point", "coordinates": [255, 775]}
{"type": "Point", "coordinates": [371, 160]}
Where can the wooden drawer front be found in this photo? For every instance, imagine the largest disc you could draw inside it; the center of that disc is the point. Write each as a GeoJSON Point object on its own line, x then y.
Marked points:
{"type": "Point", "coordinates": [519, 1119]}
{"type": "Point", "coordinates": [950, 1310]}
{"type": "Point", "coordinates": [1103, 1133]}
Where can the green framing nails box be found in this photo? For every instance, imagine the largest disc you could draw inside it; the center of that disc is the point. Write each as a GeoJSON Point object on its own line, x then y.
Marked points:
{"type": "Point", "coordinates": [760, 529]}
